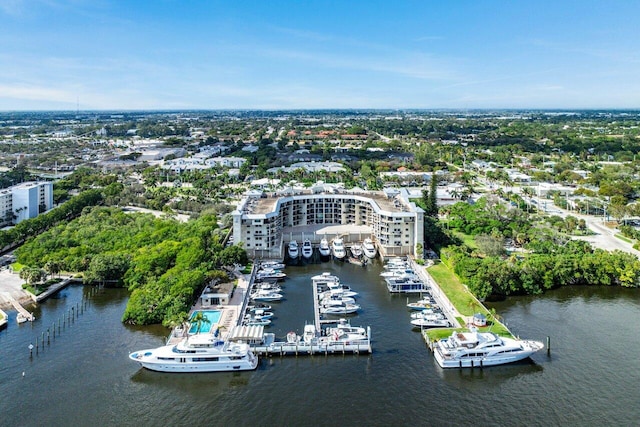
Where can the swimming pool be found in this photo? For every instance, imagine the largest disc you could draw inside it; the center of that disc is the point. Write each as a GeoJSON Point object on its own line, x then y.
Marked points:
{"type": "Point", "coordinates": [213, 317]}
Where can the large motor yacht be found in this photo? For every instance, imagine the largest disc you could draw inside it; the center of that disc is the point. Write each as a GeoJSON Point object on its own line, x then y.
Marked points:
{"type": "Point", "coordinates": [338, 248]}
{"type": "Point", "coordinates": [307, 249]}
{"type": "Point", "coordinates": [369, 248]}
{"type": "Point", "coordinates": [473, 348]}
{"type": "Point", "coordinates": [294, 251]}
{"type": "Point", "coordinates": [324, 248]}
{"type": "Point", "coordinates": [198, 353]}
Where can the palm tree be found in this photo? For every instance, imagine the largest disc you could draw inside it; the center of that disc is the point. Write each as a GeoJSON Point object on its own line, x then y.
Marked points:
{"type": "Point", "coordinates": [200, 318]}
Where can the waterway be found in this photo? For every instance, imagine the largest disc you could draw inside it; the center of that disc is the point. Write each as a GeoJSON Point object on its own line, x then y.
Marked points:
{"type": "Point", "coordinates": [84, 377]}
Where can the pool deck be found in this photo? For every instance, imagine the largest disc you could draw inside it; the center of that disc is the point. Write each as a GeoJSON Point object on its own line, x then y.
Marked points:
{"type": "Point", "coordinates": [230, 313]}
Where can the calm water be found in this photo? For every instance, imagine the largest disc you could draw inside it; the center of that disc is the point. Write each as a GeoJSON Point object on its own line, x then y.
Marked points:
{"type": "Point", "coordinates": [84, 376]}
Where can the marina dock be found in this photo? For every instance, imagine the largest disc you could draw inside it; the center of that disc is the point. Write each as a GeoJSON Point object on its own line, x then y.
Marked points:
{"type": "Point", "coordinates": [21, 310]}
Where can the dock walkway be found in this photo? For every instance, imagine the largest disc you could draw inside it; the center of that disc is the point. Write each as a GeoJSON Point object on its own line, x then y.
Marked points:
{"type": "Point", "coordinates": [51, 290]}
{"type": "Point", "coordinates": [20, 309]}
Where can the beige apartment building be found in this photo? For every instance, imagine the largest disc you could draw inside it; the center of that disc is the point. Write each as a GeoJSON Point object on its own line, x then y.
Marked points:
{"type": "Point", "coordinates": [266, 222]}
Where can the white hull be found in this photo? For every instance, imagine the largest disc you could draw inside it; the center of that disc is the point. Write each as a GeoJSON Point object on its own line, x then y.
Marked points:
{"type": "Point", "coordinates": [426, 323]}
{"type": "Point", "coordinates": [307, 249]}
{"type": "Point", "coordinates": [338, 249]}
{"type": "Point", "coordinates": [200, 367]}
{"type": "Point", "coordinates": [476, 362]}
{"type": "Point", "coordinates": [293, 250]}
{"type": "Point", "coordinates": [369, 249]}
{"type": "Point", "coordinates": [199, 353]}
{"type": "Point", "coordinates": [338, 309]}
{"type": "Point", "coordinates": [476, 349]}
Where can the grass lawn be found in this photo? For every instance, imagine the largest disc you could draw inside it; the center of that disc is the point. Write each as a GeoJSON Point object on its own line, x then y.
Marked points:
{"type": "Point", "coordinates": [464, 302]}
{"type": "Point", "coordinates": [623, 238]}
{"type": "Point", "coordinates": [457, 293]}
{"type": "Point", "coordinates": [467, 239]}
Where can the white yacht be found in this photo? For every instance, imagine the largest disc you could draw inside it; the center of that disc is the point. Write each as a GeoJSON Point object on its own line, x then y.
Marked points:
{"type": "Point", "coordinates": [368, 248]}
{"type": "Point", "coordinates": [270, 274]}
{"type": "Point", "coordinates": [262, 295]}
{"type": "Point", "coordinates": [273, 265]}
{"type": "Point", "coordinates": [337, 247]}
{"type": "Point", "coordinates": [198, 353]}
{"type": "Point", "coordinates": [356, 250]}
{"type": "Point", "coordinates": [473, 348]}
{"type": "Point", "coordinates": [425, 303]}
{"type": "Point", "coordinates": [406, 272]}
{"type": "Point", "coordinates": [293, 250]}
{"type": "Point", "coordinates": [336, 299]}
{"type": "Point", "coordinates": [307, 249]}
{"type": "Point", "coordinates": [339, 308]}
{"type": "Point", "coordinates": [324, 248]}
{"type": "Point", "coordinates": [343, 290]}
{"type": "Point", "coordinates": [426, 319]}
{"type": "Point", "coordinates": [344, 331]}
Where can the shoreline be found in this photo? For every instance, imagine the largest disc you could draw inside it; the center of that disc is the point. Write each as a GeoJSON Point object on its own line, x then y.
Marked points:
{"type": "Point", "coordinates": [11, 287]}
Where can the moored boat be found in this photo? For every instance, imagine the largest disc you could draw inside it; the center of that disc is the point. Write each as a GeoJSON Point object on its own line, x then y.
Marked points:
{"type": "Point", "coordinates": [356, 250]}
{"type": "Point", "coordinates": [324, 248]}
{"type": "Point", "coordinates": [261, 295]}
{"type": "Point", "coordinates": [293, 250]}
{"type": "Point", "coordinates": [341, 308]}
{"type": "Point", "coordinates": [338, 249]}
{"type": "Point", "coordinates": [368, 248]}
{"type": "Point", "coordinates": [273, 265]}
{"type": "Point", "coordinates": [307, 249]}
{"type": "Point", "coordinates": [473, 348]}
{"type": "Point", "coordinates": [198, 353]}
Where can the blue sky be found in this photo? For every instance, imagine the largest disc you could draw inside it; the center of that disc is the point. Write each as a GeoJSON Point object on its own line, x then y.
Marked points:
{"type": "Point", "coordinates": [170, 54]}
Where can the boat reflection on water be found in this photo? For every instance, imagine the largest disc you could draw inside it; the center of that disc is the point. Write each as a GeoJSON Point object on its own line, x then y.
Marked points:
{"type": "Point", "coordinates": [196, 384]}
{"type": "Point", "coordinates": [491, 377]}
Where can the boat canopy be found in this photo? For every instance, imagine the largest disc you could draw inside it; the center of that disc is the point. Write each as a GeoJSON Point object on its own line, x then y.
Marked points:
{"type": "Point", "coordinates": [246, 334]}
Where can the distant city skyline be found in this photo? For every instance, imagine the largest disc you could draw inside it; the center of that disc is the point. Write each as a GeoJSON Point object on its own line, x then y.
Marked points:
{"type": "Point", "coordinates": [169, 54]}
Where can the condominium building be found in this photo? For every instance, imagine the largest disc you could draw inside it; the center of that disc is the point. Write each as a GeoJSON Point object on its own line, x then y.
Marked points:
{"type": "Point", "coordinates": [25, 200]}
{"type": "Point", "coordinates": [265, 223]}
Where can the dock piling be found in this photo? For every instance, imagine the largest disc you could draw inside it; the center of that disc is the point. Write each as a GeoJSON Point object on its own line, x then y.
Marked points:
{"type": "Point", "coordinates": [548, 346]}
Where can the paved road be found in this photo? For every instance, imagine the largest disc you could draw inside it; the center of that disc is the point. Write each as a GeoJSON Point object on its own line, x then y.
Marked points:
{"type": "Point", "coordinates": [11, 287]}
{"type": "Point", "coordinates": [604, 237]}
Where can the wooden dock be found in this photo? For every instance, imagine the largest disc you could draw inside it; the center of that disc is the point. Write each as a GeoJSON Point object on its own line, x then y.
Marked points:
{"type": "Point", "coordinates": [20, 309]}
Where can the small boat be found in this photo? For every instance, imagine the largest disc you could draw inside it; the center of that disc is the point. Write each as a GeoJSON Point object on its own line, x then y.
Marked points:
{"type": "Point", "coordinates": [356, 250]}
{"type": "Point", "coordinates": [473, 348]}
{"type": "Point", "coordinates": [324, 248]}
{"type": "Point", "coordinates": [198, 353]}
{"type": "Point", "coordinates": [268, 286]}
{"type": "Point", "coordinates": [272, 265]}
{"type": "Point", "coordinates": [368, 248]}
{"type": "Point", "coordinates": [307, 249]}
{"type": "Point", "coordinates": [294, 251]}
{"type": "Point", "coordinates": [336, 299]}
{"type": "Point", "coordinates": [21, 318]}
{"type": "Point", "coordinates": [405, 272]}
{"type": "Point", "coordinates": [424, 303]}
{"type": "Point", "coordinates": [339, 308]}
{"type": "Point", "coordinates": [342, 290]}
{"type": "Point", "coordinates": [261, 295]}
{"type": "Point", "coordinates": [337, 247]}
{"type": "Point", "coordinates": [262, 314]}
{"type": "Point", "coordinates": [258, 306]}
{"type": "Point", "coordinates": [270, 274]}
{"type": "Point", "coordinates": [425, 312]}
{"type": "Point", "coordinates": [343, 331]}
{"type": "Point", "coordinates": [256, 321]}
{"type": "Point", "coordinates": [430, 321]}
